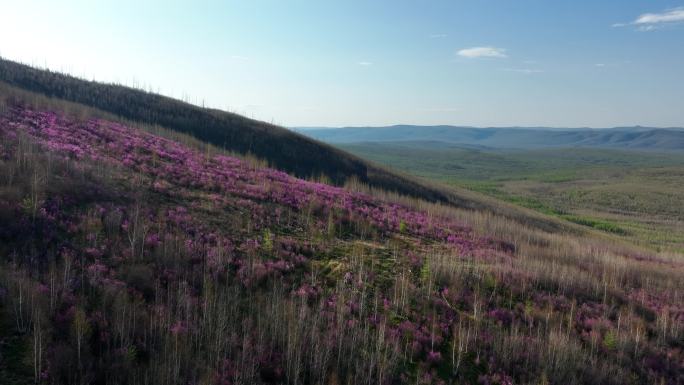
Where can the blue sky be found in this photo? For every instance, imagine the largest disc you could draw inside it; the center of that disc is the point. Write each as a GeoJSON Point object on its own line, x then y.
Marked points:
{"type": "Point", "coordinates": [332, 63]}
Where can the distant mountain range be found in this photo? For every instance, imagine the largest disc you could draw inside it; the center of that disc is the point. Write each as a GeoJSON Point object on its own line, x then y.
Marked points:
{"type": "Point", "coordinates": [644, 138]}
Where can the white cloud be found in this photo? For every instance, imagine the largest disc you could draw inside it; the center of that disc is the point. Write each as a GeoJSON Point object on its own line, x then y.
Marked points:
{"type": "Point", "coordinates": [652, 21]}
{"type": "Point", "coordinates": [365, 63]}
{"type": "Point", "coordinates": [600, 64]}
{"type": "Point", "coordinates": [675, 15]}
{"type": "Point", "coordinates": [438, 36]}
{"type": "Point", "coordinates": [477, 52]}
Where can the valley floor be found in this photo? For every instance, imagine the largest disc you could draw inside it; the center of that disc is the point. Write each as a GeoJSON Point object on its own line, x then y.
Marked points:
{"type": "Point", "coordinates": [635, 195]}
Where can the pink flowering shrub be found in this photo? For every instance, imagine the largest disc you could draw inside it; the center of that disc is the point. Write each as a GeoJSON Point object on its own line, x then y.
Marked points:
{"type": "Point", "coordinates": [145, 259]}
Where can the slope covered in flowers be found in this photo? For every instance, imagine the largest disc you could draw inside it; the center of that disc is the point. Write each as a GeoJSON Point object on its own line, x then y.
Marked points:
{"type": "Point", "coordinates": [130, 258]}
{"type": "Point", "coordinates": [173, 168]}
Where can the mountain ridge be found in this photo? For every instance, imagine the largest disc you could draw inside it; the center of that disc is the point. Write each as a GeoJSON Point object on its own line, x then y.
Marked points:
{"type": "Point", "coordinates": [637, 137]}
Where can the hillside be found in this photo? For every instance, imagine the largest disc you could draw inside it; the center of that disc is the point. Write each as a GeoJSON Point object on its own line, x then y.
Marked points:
{"type": "Point", "coordinates": [643, 138]}
{"type": "Point", "coordinates": [281, 148]}
{"type": "Point", "coordinates": [128, 257]}
{"type": "Point", "coordinates": [277, 146]}
{"type": "Point", "coordinates": [341, 192]}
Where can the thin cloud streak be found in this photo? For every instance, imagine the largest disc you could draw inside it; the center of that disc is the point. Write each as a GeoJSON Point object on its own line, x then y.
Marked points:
{"type": "Point", "coordinates": [653, 21]}
{"type": "Point", "coordinates": [675, 15]}
{"type": "Point", "coordinates": [483, 52]}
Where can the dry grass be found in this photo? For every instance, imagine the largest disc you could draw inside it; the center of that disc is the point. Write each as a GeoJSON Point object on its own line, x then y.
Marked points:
{"type": "Point", "coordinates": [232, 332]}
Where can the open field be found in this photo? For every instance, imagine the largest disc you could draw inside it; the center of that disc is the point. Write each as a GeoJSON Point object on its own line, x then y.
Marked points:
{"type": "Point", "coordinates": [636, 195]}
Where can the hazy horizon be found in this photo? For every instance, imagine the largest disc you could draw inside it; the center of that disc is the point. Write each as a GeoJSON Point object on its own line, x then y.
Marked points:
{"type": "Point", "coordinates": [305, 63]}
{"type": "Point", "coordinates": [553, 128]}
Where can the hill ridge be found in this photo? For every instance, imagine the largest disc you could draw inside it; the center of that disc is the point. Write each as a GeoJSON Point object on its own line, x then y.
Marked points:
{"type": "Point", "coordinates": [281, 149]}
{"type": "Point", "coordinates": [647, 138]}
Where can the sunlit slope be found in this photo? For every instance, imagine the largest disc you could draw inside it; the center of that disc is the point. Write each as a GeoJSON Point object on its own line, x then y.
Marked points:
{"type": "Point", "coordinates": [280, 148]}
{"type": "Point", "coordinates": [127, 256]}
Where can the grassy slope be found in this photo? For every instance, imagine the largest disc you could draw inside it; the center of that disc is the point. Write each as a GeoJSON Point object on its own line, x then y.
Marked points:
{"type": "Point", "coordinates": [237, 288]}
{"type": "Point", "coordinates": [278, 147]}
{"type": "Point", "coordinates": [631, 193]}
{"type": "Point", "coordinates": [281, 148]}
